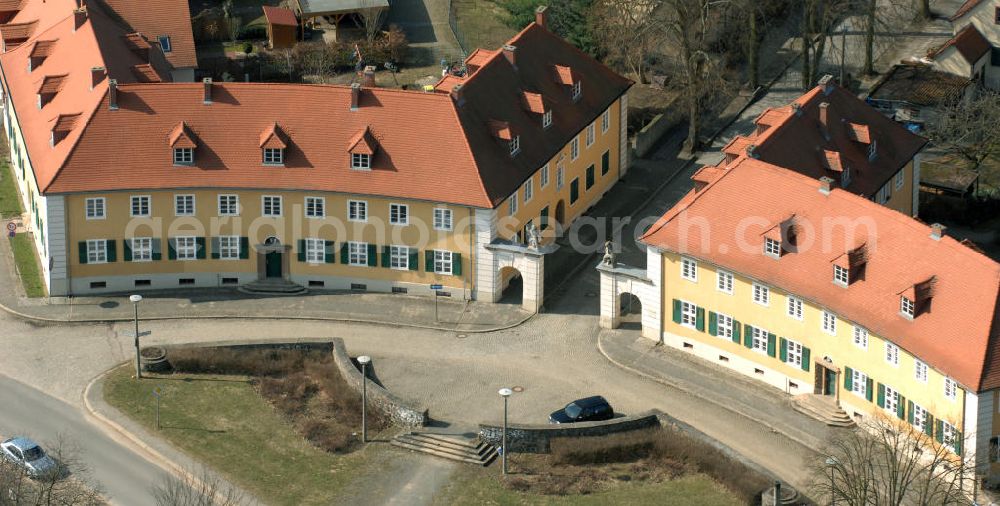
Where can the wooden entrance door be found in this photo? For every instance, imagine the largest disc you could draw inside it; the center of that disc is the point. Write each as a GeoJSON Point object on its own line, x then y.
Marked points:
{"type": "Point", "coordinates": [272, 264]}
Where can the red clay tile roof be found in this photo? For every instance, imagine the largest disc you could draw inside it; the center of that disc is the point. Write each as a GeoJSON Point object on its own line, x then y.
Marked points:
{"type": "Point", "coordinates": [563, 74]}
{"type": "Point", "coordinates": [180, 137]}
{"type": "Point", "coordinates": [832, 159]}
{"type": "Point", "coordinates": [969, 42]}
{"type": "Point", "coordinates": [273, 137]}
{"type": "Point", "coordinates": [65, 122]}
{"type": "Point", "coordinates": [957, 336]}
{"type": "Point", "coordinates": [144, 73]}
{"type": "Point", "coordinates": [965, 8]}
{"type": "Point", "coordinates": [362, 143]}
{"type": "Point", "coordinates": [501, 130]}
{"type": "Point", "coordinates": [533, 102]}
{"type": "Point", "coordinates": [859, 133]}
{"type": "Point", "coordinates": [42, 48]}
{"type": "Point", "coordinates": [14, 33]}
{"type": "Point", "coordinates": [918, 84]}
{"type": "Point", "coordinates": [737, 145]}
{"type": "Point", "coordinates": [10, 5]}
{"type": "Point", "coordinates": [280, 16]}
{"type": "Point", "coordinates": [153, 18]}
{"type": "Point", "coordinates": [52, 84]}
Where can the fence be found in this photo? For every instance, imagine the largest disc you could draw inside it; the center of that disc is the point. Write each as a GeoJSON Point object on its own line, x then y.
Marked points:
{"type": "Point", "coordinates": [453, 23]}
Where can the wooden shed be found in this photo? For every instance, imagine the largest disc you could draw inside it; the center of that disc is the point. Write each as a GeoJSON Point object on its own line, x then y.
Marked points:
{"type": "Point", "coordinates": [282, 27]}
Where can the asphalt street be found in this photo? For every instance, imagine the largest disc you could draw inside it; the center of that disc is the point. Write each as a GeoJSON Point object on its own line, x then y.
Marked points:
{"type": "Point", "coordinates": [125, 476]}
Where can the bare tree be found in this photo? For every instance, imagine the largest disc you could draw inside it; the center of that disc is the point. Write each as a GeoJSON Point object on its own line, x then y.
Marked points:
{"type": "Point", "coordinates": [315, 59]}
{"type": "Point", "coordinates": [370, 17]}
{"type": "Point", "coordinates": [887, 462]}
{"type": "Point", "coordinates": [818, 20]}
{"type": "Point", "coordinates": [69, 485]}
{"type": "Point", "coordinates": [626, 31]}
{"type": "Point", "coordinates": [205, 489]}
{"type": "Point", "coordinates": [968, 127]}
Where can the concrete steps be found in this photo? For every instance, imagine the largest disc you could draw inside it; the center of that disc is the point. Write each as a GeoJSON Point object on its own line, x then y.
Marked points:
{"type": "Point", "coordinates": [822, 408]}
{"type": "Point", "coordinates": [273, 287]}
{"type": "Point", "coordinates": [452, 447]}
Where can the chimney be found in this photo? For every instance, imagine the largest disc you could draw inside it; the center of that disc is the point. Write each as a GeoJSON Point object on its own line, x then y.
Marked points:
{"type": "Point", "coordinates": [79, 17]}
{"type": "Point", "coordinates": [826, 82]}
{"type": "Point", "coordinates": [937, 231]}
{"type": "Point", "coordinates": [355, 95]}
{"type": "Point", "coordinates": [510, 53]}
{"type": "Point", "coordinates": [824, 185]}
{"type": "Point", "coordinates": [822, 114]}
{"type": "Point", "coordinates": [456, 94]}
{"type": "Point", "coordinates": [542, 16]}
{"type": "Point", "coordinates": [96, 76]}
{"type": "Point", "coordinates": [207, 82]}
{"type": "Point", "coordinates": [113, 94]}
{"type": "Point", "coordinates": [368, 80]}
{"type": "Point", "coordinates": [797, 108]}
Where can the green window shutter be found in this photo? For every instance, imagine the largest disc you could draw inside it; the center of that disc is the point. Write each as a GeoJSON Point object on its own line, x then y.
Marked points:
{"type": "Point", "coordinates": [699, 319]}
{"type": "Point", "coordinates": [770, 345]}
{"type": "Point", "coordinates": [590, 177]}
{"type": "Point", "coordinates": [372, 255]}
{"type": "Point", "coordinates": [929, 425]}
{"type": "Point", "coordinates": [783, 349]}
{"type": "Point", "coordinates": [881, 395]}
{"type": "Point", "coordinates": [244, 248]}
{"type": "Point", "coordinates": [127, 250]}
{"type": "Point", "coordinates": [157, 249]}
{"type": "Point", "coordinates": [171, 249]}
{"type": "Point", "coordinates": [216, 254]}
{"type": "Point", "coordinates": [806, 361]}
{"type": "Point", "coordinates": [574, 191]}
{"type": "Point", "coordinates": [543, 220]}
{"type": "Point", "coordinates": [736, 332]}
{"type": "Point", "coordinates": [900, 407]}
{"type": "Point", "coordinates": [199, 248]}
{"type": "Point", "coordinates": [848, 379]}
{"type": "Point", "coordinates": [713, 323]}
{"type": "Point", "coordinates": [748, 336]}
{"type": "Point", "coordinates": [414, 262]}
{"type": "Point", "coordinates": [868, 389]}
{"type": "Point", "coordinates": [343, 254]}
{"type": "Point", "coordinates": [456, 264]}
{"type": "Point", "coordinates": [82, 246]}
{"type": "Point", "coordinates": [909, 411]}
{"type": "Point", "coordinates": [302, 250]}
{"type": "Point", "coordinates": [939, 431]}
{"type": "Point", "coordinates": [957, 443]}
{"type": "Point", "coordinates": [677, 306]}
{"type": "Point", "coordinates": [328, 249]}
{"type": "Point", "coordinates": [429, 261]}
{"type": "Point", "coordinates": [112, 250]}
{"type": "Point", "coordinates": [386, 256]}
{"type": "Point", "coordinates": [605, 162]}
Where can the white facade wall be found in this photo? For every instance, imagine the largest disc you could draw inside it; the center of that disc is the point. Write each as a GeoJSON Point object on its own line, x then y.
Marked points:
{"type": "Point", "coordinates": [487, 275]}
{"type": "Point", "coordinates": [985, 407]}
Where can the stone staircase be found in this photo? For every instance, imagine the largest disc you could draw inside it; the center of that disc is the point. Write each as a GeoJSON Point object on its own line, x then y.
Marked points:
{"type": "Point", "coordinates": [273, 286]}
{"type": "Point", "coordinates": [822, 408]}
{"type": "Point", "coordinates": [449, 446]}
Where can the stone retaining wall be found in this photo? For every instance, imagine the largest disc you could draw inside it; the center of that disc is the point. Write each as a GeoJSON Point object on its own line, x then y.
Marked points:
{"type": "Point", "coordinates": [522, 438]}
{"type": "Point", "coordinates": [394, 407]}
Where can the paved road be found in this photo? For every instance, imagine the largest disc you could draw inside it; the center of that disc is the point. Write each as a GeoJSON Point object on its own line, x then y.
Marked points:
{"type": "Point", "coordinates": [124, 476]}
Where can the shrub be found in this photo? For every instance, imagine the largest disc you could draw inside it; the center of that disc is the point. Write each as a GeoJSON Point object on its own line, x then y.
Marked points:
{"type": "Point", "coordinates": [252, 32]}
{"type": "Point", "coordinates": [252, 362]}
{"type": "Point", "coordinates": [624, 447]}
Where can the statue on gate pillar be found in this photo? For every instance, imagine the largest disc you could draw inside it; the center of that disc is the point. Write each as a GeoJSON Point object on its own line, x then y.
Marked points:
{"type": "Point", "coordinates": [610, 258]}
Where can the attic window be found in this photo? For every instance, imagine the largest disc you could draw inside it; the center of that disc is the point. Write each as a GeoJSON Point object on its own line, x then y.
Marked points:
{"type": "Point", "coordinates": [361, 161]}
{"type": "Point", "coordinates": [772, 248]}
{"type": "Point", "coordinates": [577, 90]}
{"type": "Point", "coordinates": [547, 119]}
{"type": "Point", "coordinates": [274, 156]}
{"type": "Point", "coordinates": [850, 266]}
{"type": "Point", "coordinates": [183, 145]}
{"type": "Point", "coordinates": [841, 276]}
{"type": "Point", "coordinates": [165, 45]}
{"type": "Point", "coordinates": [362, 149]}
{"type": "Point", "coordinates": [872, 150]}
{"type": "Point", "coordinates": [916, 300]}
{"type": "Point", "coordinates": [183, 156]}
{"type": "Point", "coordinates": [906, 307]}
{"type": "Point", "coordinates": [272, 144]}
{"type": "Point", "coordinates": [515, 145]}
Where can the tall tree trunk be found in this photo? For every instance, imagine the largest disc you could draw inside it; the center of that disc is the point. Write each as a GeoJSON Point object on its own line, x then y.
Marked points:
{"type": "Point", "coordinates": [691, 143]}
{"type": "Point", "coordinates": [925, 9]}
{"type": "Point", "coordinates": [869, 68]}
{"type": "Point", "coordinates": [821, 43]}
{"type": "Point", "coordinates": [806, 44]}
{"type": "Point", "coordinates": [753, 47]}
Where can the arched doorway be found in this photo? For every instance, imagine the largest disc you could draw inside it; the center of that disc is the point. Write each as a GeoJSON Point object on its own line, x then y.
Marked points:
{"type": "Point", "coordinates": [513, 286]}
{"type": "Point", "coordinates": [561, 213]}
{"type": "Point", "coordinates": [630, 308]}
{"type": "Point", "coordinates": [272, 257]}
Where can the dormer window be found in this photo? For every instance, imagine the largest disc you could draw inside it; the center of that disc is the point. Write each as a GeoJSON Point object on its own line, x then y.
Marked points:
{"type": "Point", "coordinates": [515, 145]}
{"type": "Point", "coordinates": [183, 156]}
{"type": "Point", "coordinates": [274, 156]}
{"type": "Point", "coordinates": [362, 149]}
{"type": "Point", "coordinates": [361, 161]}
{"type": "Point", "coordinates": [577, 90]}
{"type": "Point", "coordinates": [872, 150]}
{"type": "Point", "coordinates": [547, 119]}
{"type": "Point", "coordinates": [841, 276]}
{"type": "Point", "coordinates": [772, 248]}
{"type": "Point", "coordinates": [906, 307]}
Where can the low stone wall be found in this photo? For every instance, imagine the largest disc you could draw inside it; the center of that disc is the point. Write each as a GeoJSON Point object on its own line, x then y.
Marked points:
{"type": "Point", "coordinates": [646, 139]}
{"type": "Point", "coordinates": [522, 438]}
{"type": "Point", "coordinates": [394, 407]}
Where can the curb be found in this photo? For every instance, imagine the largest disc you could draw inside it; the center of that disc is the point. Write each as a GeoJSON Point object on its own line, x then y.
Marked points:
{"type": "Point", "coordinates": [683, 388]}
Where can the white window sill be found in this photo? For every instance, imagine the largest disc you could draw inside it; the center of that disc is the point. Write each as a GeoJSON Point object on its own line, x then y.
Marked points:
{"type": "Point", "coordinates": [765, 304]}
{"type": "Point", "coordinates": [400, 224]}
{"type": "Point", "coordinates": [139, 216]}
{"type": "Point", "coordinates": [442, 229]}
{"type": "Point", "coordinates": [688, 325]}
{"type": "Point", "coordinates": [316, 217]}
{"type": "Point", "coordinates": [97, 262]}
{"type": "Point", "coordinates": [141, 261]}
{"type": "Point", "coordinates": [758, 350]}
{"type": "Point", "coordinates": [859, 394]}
{"type": "Point", "coordinates": [725, 292]}
{"type": "Point", "coordinates": [271, 215]}
{"type": "Point", "coordinates": [95, 218]}
{"type": "Point", "coordinates": [183, 215]}
{"type": "Point", "coordinates": [351, 264]}
{"type": "Point", "coordinates": [273, 164]}
{"type": "Point", "coordinates": [400, 268]}
{"type": "Point", "coordinates": [229, 259]}
{"type": "Point", "coordinates": [695, 280]}
{"type": "Point", "coordinates": [186, 259]}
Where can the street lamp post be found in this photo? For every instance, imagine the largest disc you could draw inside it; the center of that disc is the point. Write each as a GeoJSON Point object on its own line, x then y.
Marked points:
{"type": "Point", "coordinates": [136, 299]}
{"type": "Point", "coordinates": [505, 393]}
{"type": "Point", "coordinates": [831, 462]}
{"type": "Point", "coordinates": [364, 360]}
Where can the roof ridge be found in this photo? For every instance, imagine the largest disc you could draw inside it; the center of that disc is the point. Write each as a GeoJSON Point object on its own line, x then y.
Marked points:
{"type": "Point", "coordinates": [465, 142]}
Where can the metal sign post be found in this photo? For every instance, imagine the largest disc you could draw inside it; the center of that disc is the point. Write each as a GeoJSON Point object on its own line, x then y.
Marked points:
{"type": "Point", "coordinates": [157, 391]}
{"type": "Point", "coordinates": [436, 288]}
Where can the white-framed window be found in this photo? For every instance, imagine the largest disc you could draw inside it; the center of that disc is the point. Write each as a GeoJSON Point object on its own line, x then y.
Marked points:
{"type": "Point", "coordinates": [859, 383]}
{"type": "Point", "coordinates": [271, 205]}
{"type": "Point", "coordinates": [948, 435]}
{"type": "Point", "coordinates": [829, 323]}
{"type": "Point", "coordinates": [761, 294]}
{"type": "Point", "coordinates": [574, 148]}
{"type": "Point", "coordinates": [899, 179]}
{"type": "Point", "coordinates": [229, 247]}
{"type": "Point", "coordinates": [142, 249]}
{"type": "Point", "coordinates": [689, 314]}
{"type": "Point", "coordinates": [357, 210]}
{"type": "Point", "coordinates": [95, 208]}
{"type": "Point", "coordinates": [274, 156]}
{"type": "Point", "coordinates": [186, 247]}
{"type": "Point", "coordinates": [606, 121]}
{"type": "Point", "coordinates": [724, 281]}
{"type": "Point", "coordinates": [841, 276]}
{"type": "Point", "coordinates": [442, 262]}
{"type": "Point", "coordinates": [442, 219]}
{"type": "Point", "coordinates": [229, 205]}
{"type": "Point", "coordinates": [950, 389]}
{"type": "Point", "coordinates": [140, 205]}
{"type": "Point", "coordinates": [861, 337]}
{"type": "Point", "coordinates": [892, 353]}
{"type": "Point", "coordinates": [759, 340]}
{"type": "Point", "coordinates": [357, 253]}
{"type": "Point", "coordinates": [361, 161]}
{"type": "Point", "coordinates": [920, 371]}
{"type": "Point", "coordinates": [724, 325]}
{"type": "Point", "coordinates": [399, 257]}
{"type": "Point", "coordinates": [906, 307]}
{"type": "Point", "coordinates": [545, 176]}
{"type": "Point", "coordinates": [546, 119]}
{"type": "Point", "coordinates": [560, 177]}
{"type": "Point", "coordinates": [883, 194]}
{"type": "Point", "coordinates": [97, 251]}
{"type": "Point", "coordinates": [183, 156]}
{"type": "Point", "coordinates": [689, 269]}
{"type": "Point", "coordinates": [529, 190]}
{"type": "Point", "coordinates": [515, 145]}
{"type": "Point", "coordinates": [399, 214]}
{"type": "Point", "coordinates": [591, 134]}
{"type": "Point", "coordinates": [577, 90]}
{"type": "Point", "coordinates": [891, 403]}
{"type": "Point", "coordinates": [793, 353]}
{"type": "Point", "coordinates": [315, 207]}
{"type": "Point", "coordinates": [315, 250]}
{"type": "Point", "coordinates": [794, 309]}
{"type": "Point", "coordinates": [512, 205]}
{"type": "Point", "coordinates": [919, 418]}
{"type": "Point", "coordinates": [772, 248]}
{"type": "Point", "coordinates": [184, 205]}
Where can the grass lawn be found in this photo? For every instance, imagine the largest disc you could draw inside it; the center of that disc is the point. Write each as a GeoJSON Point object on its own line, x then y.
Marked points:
{"type": "Point", "coordinates": [26, 259]}
{"type": "Point", "coordinates": [481, 23]}
{"type": "Point", "coordinates": [223, 422]}
{"type": "Point", "coordinates": [10, 204]}
{"type": "Point", "coordinates": [483, 486]}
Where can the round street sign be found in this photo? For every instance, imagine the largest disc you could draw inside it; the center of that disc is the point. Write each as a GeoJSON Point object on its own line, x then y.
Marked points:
{"type": "Point", "coordinates": [157, 391]}
{"type": "Point", "coordinates": [11, 226]}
